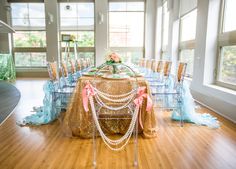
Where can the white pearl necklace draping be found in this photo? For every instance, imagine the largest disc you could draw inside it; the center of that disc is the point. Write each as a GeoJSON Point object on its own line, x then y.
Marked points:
{"type": "Point", "coordinates": [127, 100]}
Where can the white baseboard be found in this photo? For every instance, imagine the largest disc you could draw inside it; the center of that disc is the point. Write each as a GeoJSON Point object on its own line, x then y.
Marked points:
{"type": "Point", "coordinates": [215, 111]}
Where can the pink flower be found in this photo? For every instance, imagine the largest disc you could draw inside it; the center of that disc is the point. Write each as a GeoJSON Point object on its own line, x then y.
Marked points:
{"type": "Point", "coordinates": [115, 57]}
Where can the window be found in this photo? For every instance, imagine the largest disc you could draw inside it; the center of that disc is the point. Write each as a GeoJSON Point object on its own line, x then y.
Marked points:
{"type": "Point", "coordinates": [187, 40]}
{"type": "Point", "coordinates": [126, 36]}
{"type": "Point", "coordinates": [226, 72]}
{"type": "Point", "coordinates": [77, 19]}
{"type": "Point", "coordinates": [29, 41]}
{"type": "Point", "coordinates": [165, 31]}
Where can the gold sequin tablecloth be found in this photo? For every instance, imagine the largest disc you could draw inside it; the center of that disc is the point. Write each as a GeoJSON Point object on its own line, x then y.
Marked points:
{"type": "Point", "coordinates": [79, 123]}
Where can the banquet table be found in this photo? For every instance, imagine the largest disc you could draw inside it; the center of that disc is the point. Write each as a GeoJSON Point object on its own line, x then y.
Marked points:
{"type": "Point", "coordinates": [79, 123]}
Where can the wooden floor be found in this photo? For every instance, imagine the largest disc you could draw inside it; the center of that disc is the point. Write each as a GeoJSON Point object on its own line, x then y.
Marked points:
{"type": "Point", "coordinates": [175, 147]}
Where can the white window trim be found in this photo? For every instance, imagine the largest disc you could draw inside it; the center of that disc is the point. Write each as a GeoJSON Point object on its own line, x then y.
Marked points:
{"type": "Point", "coordinates": [186, 45]}
{"type": "Point", "coordinates": [224, 39]}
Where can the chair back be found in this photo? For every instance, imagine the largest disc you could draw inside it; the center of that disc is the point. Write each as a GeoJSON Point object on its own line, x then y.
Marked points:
{"type": "Point", "coordinates": [149, 64]}
{"type": "Point", "coordinates": [64, 69]}
{"type": "Point", "coordinates": [52, 70]}
{"type": "Point", "coordinates": [181, 71]}
{"type": "Point", "coordinates": [78, 65]}
{"type": "Point", "coordinates": [167, 68]}
{"type": "Point", "coordinates": [72, 66]}
{"type": "Point", "coordinates": [84, 63]}
{"type": "Point", "coordinates": [154, 65]}
{"type": "Point", "coordinates": [142, 62]}
{"type": "Point", "coordinates": [159, 66]}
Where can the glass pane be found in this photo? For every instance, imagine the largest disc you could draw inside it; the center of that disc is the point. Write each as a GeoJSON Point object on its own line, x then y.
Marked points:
{"type": "Point", "coordinates": [229, 23]}
{"type": "Point", "coordinates": [22, 59]}
{"type": "Point", "coordinates": [20, 22]}
{"type": "Point", "coordinates": [188, 26]}
{"type": "Point", "coordinates": [37, 22]}
{"type": "Point", "coordinates": [85, 21]}
{"type": "Point", "coordinates": [130, 57]}
{"type": "Point", "coordinates": [80, 55]}
{"type": "Point", "coordinates": [29, 39]}
{"type": "Point", "coordinates": [187, 56]}
{"type": "Point", "coordinates": [84, 38]}
{"type": "Point", "coordinates": [228, 65]}
{"type": "Point", "coordinates": [28, 14]}
{"type": "Point", "coordinates": [38, 59]}
{"type": "Point", "coordinates": [36, 10]}
{"type": "Point", "coordinates": [76, 16]}
{"type": "Point", "coordinates": [165, 55]}
{"type": "Point", "coordinates": [126, 32]}
{"type": "Point", "coordinates": [19, 10]}
{"type": "Point", "coordinates": [69, 22]}
{"type": "Point", "coordinates": [68, 10]}
{"type": "Point", "coordinates": [165, 25]}
{"type": "Point", "coordinates": [126, 6]}
{"type": "Point", "coordinates": [30, 59]}
{"type": "Point", "coordinates": [85, 10]}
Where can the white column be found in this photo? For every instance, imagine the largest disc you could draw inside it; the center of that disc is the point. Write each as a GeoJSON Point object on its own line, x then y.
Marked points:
{"type": "Point", "coordinates": [173, 38]}
{"type": "Point", "coordinates": [150, 28]}
{"type": "Point", "coordinates": [52, 27]}
{"type": "Point", "coordinates": [158, 29]}
{"type": "Point", "coordinates": [101, 30]}
{"type": "Point", "coordinates": [5, 39]}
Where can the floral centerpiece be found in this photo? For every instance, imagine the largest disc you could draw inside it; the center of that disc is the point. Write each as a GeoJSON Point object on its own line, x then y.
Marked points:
{"type": "Point", "coordinates": [111, 58]}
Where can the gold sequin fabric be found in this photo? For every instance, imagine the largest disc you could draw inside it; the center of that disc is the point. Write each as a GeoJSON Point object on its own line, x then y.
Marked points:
{"type": "Point", "coordinates": [79, 123]}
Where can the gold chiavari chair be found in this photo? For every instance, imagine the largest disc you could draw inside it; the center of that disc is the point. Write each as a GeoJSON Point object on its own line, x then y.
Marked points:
{"type": "Point", "coordinates": [64, 69]}
{"type": "Point", "coordinates": [72, 67]}
{"type": "Point", "coordinates": [149, 64]}
{"type": "Point", "coordinates": [142, 62]}
{"type": "Point", "coordinates": [159, 66]}
{"type": "Point", "coordinates": [52, 70]}
{"type": "Point", "coordinates": [167, 68]}
{"type": "Point", "coordinates": [78, 64]}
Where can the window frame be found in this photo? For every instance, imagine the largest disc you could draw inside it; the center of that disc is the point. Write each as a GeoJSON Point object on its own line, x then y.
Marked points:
{"type": "Point", "coordinates": [127, 49]}
{"type": "Point", "coordinates": [224, 39]}
{"type": "Point", "coordinates": [28, 49]}
{"type": "Point", "coordinates": [188, 44]}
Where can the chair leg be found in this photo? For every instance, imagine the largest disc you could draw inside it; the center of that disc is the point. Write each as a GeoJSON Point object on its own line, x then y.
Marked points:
{"type": "Point", "coordinates": [181, 114]}
{"type": "Point", "coordinates": [136, 144]}
{"type": "Point", "coordinates": [94, 146]}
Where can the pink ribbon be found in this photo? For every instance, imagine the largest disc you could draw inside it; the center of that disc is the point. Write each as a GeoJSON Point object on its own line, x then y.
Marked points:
{"type": "Point", "coordinates": [139, 100]}
{"type": "Point", "coordinates": [86, 93]}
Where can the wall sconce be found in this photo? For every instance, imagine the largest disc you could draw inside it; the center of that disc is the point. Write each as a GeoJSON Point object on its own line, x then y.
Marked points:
{"type": "Point", "coordinates": [100, 18]}
{"type": "Point", "coordinates": [50, 18]}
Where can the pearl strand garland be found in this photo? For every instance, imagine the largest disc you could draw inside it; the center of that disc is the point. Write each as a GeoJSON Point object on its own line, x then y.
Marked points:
{"type": "Point", "coordinates": [109, 107]}
{"type": "Point", "coordinates": [108, 141]}
{"type": "Point", "coordinates": [109, 95]}
{"type": "Point", "coordinates": [117, 100]}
